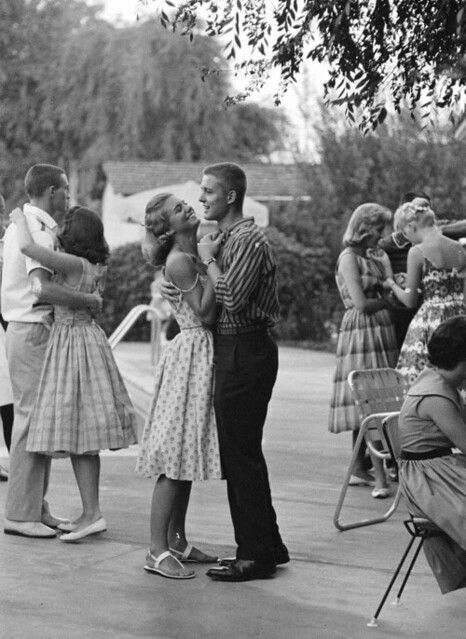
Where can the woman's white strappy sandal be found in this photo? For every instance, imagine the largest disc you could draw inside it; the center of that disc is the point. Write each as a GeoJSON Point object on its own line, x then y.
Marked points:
{"type": "Point", "coordinates": [153, 565]}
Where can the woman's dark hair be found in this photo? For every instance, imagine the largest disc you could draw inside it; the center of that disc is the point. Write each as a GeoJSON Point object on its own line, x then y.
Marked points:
{"type": "Point", "coordinates": [409, 196]}
{"type": "Point", "coordinates": [82, 234]}
{"type": "Point", "coordinates": [447, 346]}
{"type": "Point", "coordinates": [157, 222]}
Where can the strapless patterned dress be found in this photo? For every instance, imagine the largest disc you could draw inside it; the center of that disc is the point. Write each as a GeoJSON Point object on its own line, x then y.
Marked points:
{"type": "Point", "coordinates": [180, 438]}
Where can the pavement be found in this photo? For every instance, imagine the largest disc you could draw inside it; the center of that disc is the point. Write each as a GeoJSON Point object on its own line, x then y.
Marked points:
{"type": "Point", "coordinates": [98, 589]}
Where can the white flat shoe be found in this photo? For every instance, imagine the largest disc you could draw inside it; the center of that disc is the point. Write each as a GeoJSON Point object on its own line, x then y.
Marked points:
{"type": "Point", "coordinates": [67, 527]}
{"type": "Point", "coordinates": [354, 480]}
{"type": "Point", "coordinates": [54, 522]}
{"type": "Point", "coordinates": [153, 565]}
{"type": "Point", "coordinates": [380, 493]}
{"type": "Point", "coordinates": [98, 526]}
{"type": "Point", "coordinates": [28, 529]}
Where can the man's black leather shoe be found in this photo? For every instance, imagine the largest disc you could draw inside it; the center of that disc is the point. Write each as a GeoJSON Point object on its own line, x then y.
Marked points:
{"type": "Point", "coordinates": [280, 554]}
{"type": "Point", "coordinates": [241, 570]}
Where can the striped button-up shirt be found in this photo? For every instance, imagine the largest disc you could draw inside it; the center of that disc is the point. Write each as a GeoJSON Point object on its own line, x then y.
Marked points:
{"type": "Point", "coordinates": [247, 289]}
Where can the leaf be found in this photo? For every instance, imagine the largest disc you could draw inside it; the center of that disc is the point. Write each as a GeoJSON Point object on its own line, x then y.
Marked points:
{"type": "Point", "coordinates": [382, 115]}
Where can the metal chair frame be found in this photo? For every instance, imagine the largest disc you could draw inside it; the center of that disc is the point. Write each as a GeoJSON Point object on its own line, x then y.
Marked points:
{"type": "Point", "coordinates": [378, 393]}
{"type": "Point", "coordinates": [418, 527]}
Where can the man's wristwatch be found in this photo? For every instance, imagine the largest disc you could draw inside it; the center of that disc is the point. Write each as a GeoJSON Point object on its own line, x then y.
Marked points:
{"type": "Point", "coordinates": [209, 261]}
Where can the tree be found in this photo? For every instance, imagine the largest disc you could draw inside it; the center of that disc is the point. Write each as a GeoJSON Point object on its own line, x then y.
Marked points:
{"type": "Point", "coordinates": [411, 53]}
{"type": "Point", "coordinates": [31, 36]}
{"type": "Point", "coordinates": [398, 157]}
{"type": "Point", "coordinates": [379, 167]}
{"type": "Point", "coordinates": [75, 89]}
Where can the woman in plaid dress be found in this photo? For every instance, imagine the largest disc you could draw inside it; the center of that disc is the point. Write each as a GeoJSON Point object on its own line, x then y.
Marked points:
{"type": "Point", "coordinates": [367, 337]}
{"type": "Point", "coordinates": [82, 404]}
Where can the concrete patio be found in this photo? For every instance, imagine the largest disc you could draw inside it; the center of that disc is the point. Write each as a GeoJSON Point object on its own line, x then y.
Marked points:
{"type": "Point", "coordinates": [98, 588]}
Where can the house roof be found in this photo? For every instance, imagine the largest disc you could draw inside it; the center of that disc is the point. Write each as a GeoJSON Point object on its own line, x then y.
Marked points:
{"type": "Point", "coordinates": [265, 181]}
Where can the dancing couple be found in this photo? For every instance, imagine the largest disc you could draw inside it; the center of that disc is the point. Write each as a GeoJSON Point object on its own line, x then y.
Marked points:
{"type": "Point", "coordinates": [206, 420]}
{"type": "Point", "coordinates": [69, 398]}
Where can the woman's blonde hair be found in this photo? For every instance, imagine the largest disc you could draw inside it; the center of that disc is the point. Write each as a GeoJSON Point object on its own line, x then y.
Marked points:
{"type": "Point", "coordinates": [363, 221]}
{"type": "Point", "coordinates": [156, 222]}
{"type": "Point", "coordinates": [417, 212]}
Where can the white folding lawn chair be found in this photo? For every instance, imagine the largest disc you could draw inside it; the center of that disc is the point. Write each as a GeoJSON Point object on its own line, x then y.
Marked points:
{"type": "Point", "coordinates": [377, 393]}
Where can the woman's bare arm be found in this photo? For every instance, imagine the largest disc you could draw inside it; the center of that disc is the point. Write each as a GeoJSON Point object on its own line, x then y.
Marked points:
{"type": "Point", "coordinates": [60, 262]}
{"type": "Point", "coordinates": [409, 296]}
{"type": "Point", "coordinates": [52, 293]}
{"type": "Point", "coordinates": [182, 272]}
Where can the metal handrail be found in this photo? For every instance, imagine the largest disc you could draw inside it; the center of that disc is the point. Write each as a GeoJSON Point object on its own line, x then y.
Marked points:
{"type": "Point", "coordinates": [128, 322]}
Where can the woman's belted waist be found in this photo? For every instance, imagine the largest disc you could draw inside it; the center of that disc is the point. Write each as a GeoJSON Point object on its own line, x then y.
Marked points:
{"type": "Point", "coordinates": [428, 454]}
{"type": "Point", "coordinates": [73, 321]}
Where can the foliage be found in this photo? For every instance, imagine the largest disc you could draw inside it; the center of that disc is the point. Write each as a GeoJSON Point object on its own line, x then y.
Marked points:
{"type": "Point", "coordinates": [76, 89]}
{"type": "Point", "coordinates": [411, 52]}
{"type": "Point", "coordinates": [302, 287]}
{"type": "Point", "coordinates": [129, 278]}
{"type": "Point", "coordinates": [379, 167]}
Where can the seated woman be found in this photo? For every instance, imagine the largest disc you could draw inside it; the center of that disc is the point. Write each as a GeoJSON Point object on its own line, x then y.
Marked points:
{"type": "Point", "coordinates": [432, 478]}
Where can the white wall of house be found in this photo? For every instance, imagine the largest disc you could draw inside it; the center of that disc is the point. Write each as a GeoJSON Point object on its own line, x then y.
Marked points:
{"type": "Point", "coordinates": [117, 229]}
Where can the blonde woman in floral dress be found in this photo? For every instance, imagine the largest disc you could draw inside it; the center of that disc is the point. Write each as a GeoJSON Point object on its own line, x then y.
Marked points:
{"type": "Point", "coordinates": [179, 443]}
{"type": "Point", "coordinates": [437, 268]}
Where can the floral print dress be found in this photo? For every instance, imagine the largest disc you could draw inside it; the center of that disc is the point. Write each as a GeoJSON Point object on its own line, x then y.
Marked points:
{"type": "Point", "coordinates": [180, 438]}
{"type": "Point", "coordinates": [442, 290]}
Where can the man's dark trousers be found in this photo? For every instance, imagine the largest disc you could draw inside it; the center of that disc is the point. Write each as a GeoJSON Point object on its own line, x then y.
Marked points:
{"type": "Point", "coordinates": [245, 372]}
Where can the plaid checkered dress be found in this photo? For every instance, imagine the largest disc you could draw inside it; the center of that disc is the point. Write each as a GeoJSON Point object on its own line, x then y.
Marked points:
{"type": "Point", "coordinates": [82, 404]}
{"type": "Point", "coordinates": [365, 341]}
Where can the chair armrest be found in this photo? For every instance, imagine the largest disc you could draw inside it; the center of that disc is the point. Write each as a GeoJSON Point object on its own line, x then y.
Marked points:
{"type": "Point", "coordinates": [374, 422]}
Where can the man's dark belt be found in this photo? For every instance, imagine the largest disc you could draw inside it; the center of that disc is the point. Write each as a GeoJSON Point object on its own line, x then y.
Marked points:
{"type": "Point", "coordinates": [429, 454]}
{"type": "Point", "coordinates": [241, 330]}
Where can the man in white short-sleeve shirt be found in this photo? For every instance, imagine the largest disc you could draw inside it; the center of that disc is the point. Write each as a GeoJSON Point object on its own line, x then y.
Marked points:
{"type": "Point", "coordinates": [27, 296]}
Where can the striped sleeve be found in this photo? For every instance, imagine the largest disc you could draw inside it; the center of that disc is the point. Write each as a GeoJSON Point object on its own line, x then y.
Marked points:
{"type": "Point", "coordinates": [234, 288]}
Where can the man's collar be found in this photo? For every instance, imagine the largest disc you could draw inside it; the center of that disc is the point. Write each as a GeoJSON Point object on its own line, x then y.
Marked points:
{"type": "Point", "coordinates": [233, 227]}
{"type": "Point", "coordinates": [42, 215]}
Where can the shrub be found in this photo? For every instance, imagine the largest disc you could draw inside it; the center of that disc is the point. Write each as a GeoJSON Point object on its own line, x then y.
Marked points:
{"type": "Point", "coordinates": [128, 284]}
{"type": "Point", "coordinates": [303, 292]}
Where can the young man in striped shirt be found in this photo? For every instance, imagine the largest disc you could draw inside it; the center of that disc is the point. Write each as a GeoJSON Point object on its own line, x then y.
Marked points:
{"type": "Point", "coordinates": [242, 269]}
